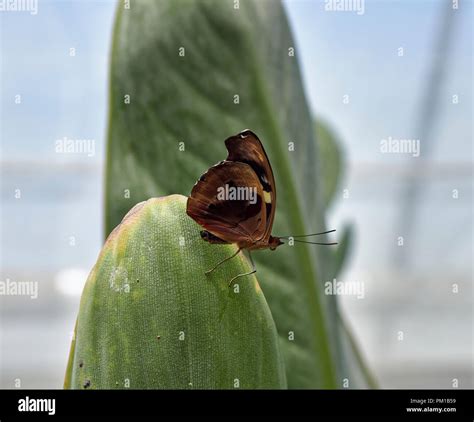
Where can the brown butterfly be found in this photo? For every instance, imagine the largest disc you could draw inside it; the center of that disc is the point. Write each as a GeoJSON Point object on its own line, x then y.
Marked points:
{"type": "Point", "coordinates": [235, 200]}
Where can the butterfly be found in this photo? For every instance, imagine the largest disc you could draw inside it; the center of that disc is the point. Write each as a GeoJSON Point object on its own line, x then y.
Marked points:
{"type": "Point", "coordinates": [235, 200]}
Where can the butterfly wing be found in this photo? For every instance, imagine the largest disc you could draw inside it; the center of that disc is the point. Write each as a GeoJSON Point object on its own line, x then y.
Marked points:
{"type": "Point", "coordinates": [247, 148]}
{"type": "Point", "coordinates": [234, 221]}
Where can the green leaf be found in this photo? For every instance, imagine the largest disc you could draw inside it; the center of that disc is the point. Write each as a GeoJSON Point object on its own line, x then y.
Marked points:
{"type": "Point", "coordinates": [342, 251]}
{"type": "Point", "coordinates": [360, 374]}
{"type": "Point", "coordinates": [331, 159]}
{"type": "Point", "coordinates": [70, 361]}
{"type": "Point", "coordinates": [150, 318]}
{"type": "Point", "coordinates": [237, 72]}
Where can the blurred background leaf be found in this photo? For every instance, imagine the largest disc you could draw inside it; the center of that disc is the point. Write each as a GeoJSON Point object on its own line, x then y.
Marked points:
{"type": "Point", "coordinates": [150, 317]}
{"type": "Point", "coordinates": [189, 74]}
{"type": "Point", "coordinates": [331, 162]}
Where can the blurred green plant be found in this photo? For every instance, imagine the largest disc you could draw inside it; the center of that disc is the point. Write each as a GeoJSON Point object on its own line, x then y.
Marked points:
{"type": "Point", "coordinates": [331, 162]}
{"type": "Point", "coordinates": [150, 318]}
{"type": "Point", "coordinates": [184, 76]}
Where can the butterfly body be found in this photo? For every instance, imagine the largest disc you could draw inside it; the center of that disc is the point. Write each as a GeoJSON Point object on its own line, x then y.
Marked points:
{"type": "Point", "coordinates": [272, 243]}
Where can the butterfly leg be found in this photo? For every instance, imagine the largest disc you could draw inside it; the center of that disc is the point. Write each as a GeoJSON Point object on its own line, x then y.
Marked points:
{"type": "Point", "coordinates": [221, 262]}
{"type": "Point", "coordinates": [254, 270]}
{"type": "Point", "coordinates": [241, 275]}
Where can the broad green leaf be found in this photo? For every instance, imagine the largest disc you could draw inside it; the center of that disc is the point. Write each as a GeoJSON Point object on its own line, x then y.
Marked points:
{"type": "Point", "coordinates": [187, 74]}
{"type": "Point", "coordinates": [150, 318]}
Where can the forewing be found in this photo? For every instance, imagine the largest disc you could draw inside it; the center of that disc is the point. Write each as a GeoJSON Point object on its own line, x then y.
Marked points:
{"type": "Point", "coordinates": [247, 148]}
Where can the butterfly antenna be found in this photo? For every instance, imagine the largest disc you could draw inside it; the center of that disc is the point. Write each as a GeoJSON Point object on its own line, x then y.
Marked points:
{"type": "Point", "coordinates": [308, 235]}
{"type": "Point", "coordinates": [314, 243]}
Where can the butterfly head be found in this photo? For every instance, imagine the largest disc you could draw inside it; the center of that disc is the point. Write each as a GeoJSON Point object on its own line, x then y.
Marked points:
{"type": "Point", "coordinates": [274, 242]}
